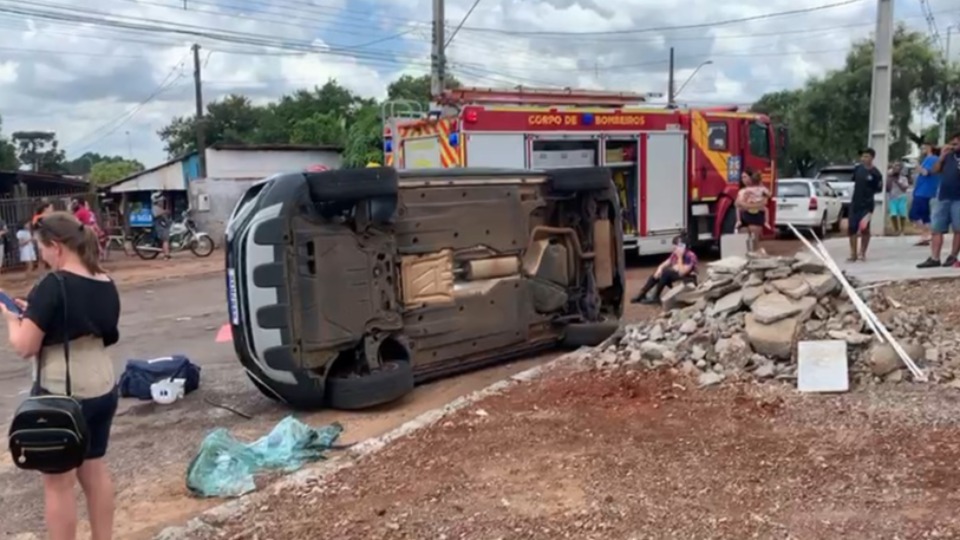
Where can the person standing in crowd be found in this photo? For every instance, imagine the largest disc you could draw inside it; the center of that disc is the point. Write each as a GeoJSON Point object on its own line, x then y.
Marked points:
{"type": "Point", "coordinates": [161, 222]}
{"type": "Point", "coordinates": [946, 211]}
{"type": "Point", "coordinates": [867, 182]}
{"type": "Point", "coordinates": [751, 203]}
{"type": "Point", "coordinates": [83, 308]}
{"type": "Point", "coordinates": [681, 263]}
{"type": "Point", "coordinates": [897, 186]}
{"type": "Point", "coordinates": [45, 208]}
{"type": "Point", "coordinates": [28, 251]}
{"type": "Point", "coordinates": [924, 191]}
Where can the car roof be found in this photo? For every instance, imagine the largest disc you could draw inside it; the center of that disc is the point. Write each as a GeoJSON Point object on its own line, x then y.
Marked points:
{"type": "Point", "coordinates": [837, 168]}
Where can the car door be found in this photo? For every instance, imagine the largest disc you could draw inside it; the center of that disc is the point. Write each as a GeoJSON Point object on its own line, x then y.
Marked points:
{"type": "Point", "coordinates": [793, 201]}
{"type": "Point", "coordinates": [832, 202]}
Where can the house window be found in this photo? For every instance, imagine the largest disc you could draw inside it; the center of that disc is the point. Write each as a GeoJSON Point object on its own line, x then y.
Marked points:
{"type": "Point", "coordinates": [717, 136]}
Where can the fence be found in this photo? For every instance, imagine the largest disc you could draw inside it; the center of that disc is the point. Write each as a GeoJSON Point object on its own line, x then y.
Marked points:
{"type": "Point", "coordinates": [17, 212]}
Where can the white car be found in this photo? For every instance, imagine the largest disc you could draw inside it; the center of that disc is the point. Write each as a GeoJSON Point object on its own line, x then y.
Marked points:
{"type": "Point", "coordinates": [807, 204]}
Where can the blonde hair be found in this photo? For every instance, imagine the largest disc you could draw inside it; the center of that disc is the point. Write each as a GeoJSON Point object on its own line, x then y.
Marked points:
{"type": "Point", "coordinates": [65, 229]}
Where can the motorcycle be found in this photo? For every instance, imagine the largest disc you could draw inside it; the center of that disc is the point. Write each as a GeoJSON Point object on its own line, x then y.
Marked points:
{"type": "Point", "coordinates": [183, 235]}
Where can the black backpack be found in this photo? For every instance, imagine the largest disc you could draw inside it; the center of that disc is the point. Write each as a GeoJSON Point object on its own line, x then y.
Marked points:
{"type": "Point", "coordinates": [49, 432]}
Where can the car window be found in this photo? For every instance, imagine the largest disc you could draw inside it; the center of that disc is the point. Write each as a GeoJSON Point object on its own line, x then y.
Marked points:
{"type": "Point", "coordinates": [793, 189]}
{"type": "Point", "coordinates": [759, 140]}
{"type": "Point", "coordinates": [717, 136]}
{"type": "Point", "coordinates": [833, 175]}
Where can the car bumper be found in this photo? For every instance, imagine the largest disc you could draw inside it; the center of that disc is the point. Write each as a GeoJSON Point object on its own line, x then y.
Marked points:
{"type": "Point", "coordinates": [256, 286]}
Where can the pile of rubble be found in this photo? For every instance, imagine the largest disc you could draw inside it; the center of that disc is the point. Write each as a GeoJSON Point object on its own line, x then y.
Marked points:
{"type": "Point", "coordinates": [748, 316]}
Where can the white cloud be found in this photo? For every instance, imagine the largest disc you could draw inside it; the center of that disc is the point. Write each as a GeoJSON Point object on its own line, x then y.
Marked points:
{"type": "Point", "coordinates": [87, 81]}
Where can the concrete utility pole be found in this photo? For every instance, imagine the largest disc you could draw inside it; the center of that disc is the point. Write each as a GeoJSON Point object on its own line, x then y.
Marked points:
{"type": "Point", "coordinates": [438, 60]}
{"type": "Point", "coordinates": [942, 139]}
{"type": "Point", "coordinates": [879, 131]}
{"type": "Point", "coordinates": [671, 83]}
{"type": "Point", "coordinates": [198, 91]}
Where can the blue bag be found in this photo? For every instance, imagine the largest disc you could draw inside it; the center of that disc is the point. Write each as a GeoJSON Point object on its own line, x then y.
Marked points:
{"type": "Point", "coordinates": [140, 374]}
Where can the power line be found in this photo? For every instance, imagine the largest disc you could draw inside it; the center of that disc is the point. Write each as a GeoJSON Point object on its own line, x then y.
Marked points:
{"type": "Point", "coordinates": [111, 126]}
{"type": "Point", "coordinates": [725, 22]}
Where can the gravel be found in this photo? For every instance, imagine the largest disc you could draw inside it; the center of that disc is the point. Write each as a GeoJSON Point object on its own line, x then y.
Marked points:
{"type": "Point", "coordinates": [624, 454]}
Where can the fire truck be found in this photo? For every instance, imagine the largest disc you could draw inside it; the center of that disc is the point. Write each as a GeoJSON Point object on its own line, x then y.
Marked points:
{"type": "Point", "coordinates": [677, 170]}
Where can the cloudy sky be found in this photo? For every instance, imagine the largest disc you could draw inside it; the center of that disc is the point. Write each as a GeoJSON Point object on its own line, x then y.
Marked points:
{"type": "Point", "coordinates": [106, 78]}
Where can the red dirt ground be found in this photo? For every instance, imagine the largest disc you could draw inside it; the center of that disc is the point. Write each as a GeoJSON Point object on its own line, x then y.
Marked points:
{"type": "Point", "coordinates": [631, 455]}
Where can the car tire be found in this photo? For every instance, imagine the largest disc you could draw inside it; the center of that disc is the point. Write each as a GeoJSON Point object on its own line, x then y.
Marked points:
{"type": "Point", "coordinates": [578, 335]}
{"type": "Point", "coordinates": [580, 179]}
{"type": "Point", "coordinates": [389, 383]}
{"type": "Point", "coordinates": [821, 230]}
{"type": "Point", "coordinates": [836, 225]}
{"type": "Point", "coordinates": [352, 185]}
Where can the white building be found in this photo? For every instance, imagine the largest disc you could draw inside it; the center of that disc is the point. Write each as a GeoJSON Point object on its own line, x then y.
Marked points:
{"type": "Point", "coordinates": [231, 169]}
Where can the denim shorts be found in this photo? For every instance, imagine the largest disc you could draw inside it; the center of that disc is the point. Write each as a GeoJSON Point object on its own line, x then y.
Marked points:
{"type": "Point", "coordinates": [945, 216]}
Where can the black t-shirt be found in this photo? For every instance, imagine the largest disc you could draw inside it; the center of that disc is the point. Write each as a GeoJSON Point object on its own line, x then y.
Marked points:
{"type": "Point", "coordinates": [93, 308]}
{"type": "Point", "coordinates": [866, 184]}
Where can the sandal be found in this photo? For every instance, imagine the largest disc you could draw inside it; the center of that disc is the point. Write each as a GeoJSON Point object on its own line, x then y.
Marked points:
{"type": "Point", "coordinates": [851, 259]}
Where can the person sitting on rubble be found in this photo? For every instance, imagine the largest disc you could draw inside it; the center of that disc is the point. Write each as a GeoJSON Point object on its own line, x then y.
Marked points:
{"type": "Point", "coordinates": [680, 266]}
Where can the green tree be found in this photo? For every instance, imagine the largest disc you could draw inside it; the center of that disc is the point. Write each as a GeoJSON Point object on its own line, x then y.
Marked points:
{"type": "Point", "coordinates": [83, 164]}
{"type": "Point", "coordinates": [8, 153]}
{"type": "Point", "coordinates": [320, 128]}
{"type": "Point", "coordinates": [39, 150]}
{"type": "Point", "coordinates": [781, 107]}
{"type": "Point", "coordinates": [416, 89]}
{"type": "Point", "coordinates": [828, 118]}
{"type": "Point", "coordinates": [104, 172]}
{"type": "Point", "coordinates": [232, 120]}
{"type": "Point", "coordinates": [364, 142]}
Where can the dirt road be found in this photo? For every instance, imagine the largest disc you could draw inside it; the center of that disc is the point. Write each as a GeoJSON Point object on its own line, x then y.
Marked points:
{"type": "Point", "coordinates": [629, 455]}
{"type": "Point", "coordinates": [151, 446]}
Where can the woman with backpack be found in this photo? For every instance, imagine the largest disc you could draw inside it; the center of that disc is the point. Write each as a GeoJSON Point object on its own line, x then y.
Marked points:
{"type": "Point", "coordinates": [66, 323]}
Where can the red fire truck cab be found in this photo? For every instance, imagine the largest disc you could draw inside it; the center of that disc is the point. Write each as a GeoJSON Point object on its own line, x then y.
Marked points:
{"type": "Point", "coordinates": [677, 171]}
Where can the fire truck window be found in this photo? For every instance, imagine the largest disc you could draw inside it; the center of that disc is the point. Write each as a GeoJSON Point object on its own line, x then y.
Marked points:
{"type": "Point", "coordinates": [759, 140]}
{"type": "Point", "coordinates": [717, 136]}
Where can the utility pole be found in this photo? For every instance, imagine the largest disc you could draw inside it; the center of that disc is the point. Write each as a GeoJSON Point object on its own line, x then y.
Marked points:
{"type": "Point", "coordinates": [671, 93]}
{"type": "Point", "coordinates": [198, 90]}
{"type": "Point", "coordinates": [878, 136]}
{"type": "Point", "coordinates": [438, 60]}
{"type": "Point", "coordinates": [942, 139]}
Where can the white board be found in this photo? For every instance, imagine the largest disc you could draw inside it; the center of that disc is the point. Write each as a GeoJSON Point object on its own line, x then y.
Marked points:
{"type": "Point", "coordinates": [733, 244]}
{"type": "Point", "coordinates": [822, 366]}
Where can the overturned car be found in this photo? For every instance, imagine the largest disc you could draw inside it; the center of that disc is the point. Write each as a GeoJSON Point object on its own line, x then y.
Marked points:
{"type": "Point", "coordinates": [347, 287]}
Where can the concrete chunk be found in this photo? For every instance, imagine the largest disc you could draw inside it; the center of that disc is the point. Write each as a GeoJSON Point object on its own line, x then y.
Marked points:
{"type": "Point", "coordinates": [774, 307]}
{"type": "Point", "coordinates": [774, 340]}
{"type": "Point", "coordinates": [794, 287]}
{"type": "Point", "coordinates": [822, 366]}
{"type": "Point", "coordinates": [729, 265]}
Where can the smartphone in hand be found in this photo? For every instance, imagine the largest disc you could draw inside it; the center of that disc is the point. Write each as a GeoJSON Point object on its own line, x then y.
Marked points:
{"type": "Point", "coordinates": [8, 302]}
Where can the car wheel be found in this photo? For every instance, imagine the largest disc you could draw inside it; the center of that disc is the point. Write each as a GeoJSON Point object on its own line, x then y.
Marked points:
{"type": "Point", "coordinates": [580, 179]}
{"type": "Point", "coordinates": [578, 335]}
{"type": "Point", "coordinates": [352, 185]}
{"type": "Point", "coordinates": [835, 227]}
{"type": "Point", "coordinates": [353, 392]}
{"type": "Point", "coordinates": [821, 230]}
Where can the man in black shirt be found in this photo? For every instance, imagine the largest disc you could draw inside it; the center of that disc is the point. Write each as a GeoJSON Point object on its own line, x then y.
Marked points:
{"type": "Point", "coordinates": [867, 182]}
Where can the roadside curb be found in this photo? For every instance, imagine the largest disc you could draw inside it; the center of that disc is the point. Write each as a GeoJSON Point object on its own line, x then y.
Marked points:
{"type": "Point", "coordinates": [205, 525]}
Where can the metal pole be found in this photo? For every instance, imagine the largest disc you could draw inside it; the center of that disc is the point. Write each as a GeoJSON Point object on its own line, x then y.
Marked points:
{"type": "Point", "coordinates": [437, 59]}
{"type": "Point", "coordinates": [879, 134]}
{"type": "Point", "coordinates": [671, 94]}
{"type": "Point", "coordinates": [198, 91]}
{"type": "Point", "coordinates": [942, 138]}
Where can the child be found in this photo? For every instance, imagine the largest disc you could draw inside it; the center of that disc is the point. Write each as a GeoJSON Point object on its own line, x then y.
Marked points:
{"type": "Point", "coordinates": [28, 253]}
{"type": "Point", "coordinates": [752, 209]}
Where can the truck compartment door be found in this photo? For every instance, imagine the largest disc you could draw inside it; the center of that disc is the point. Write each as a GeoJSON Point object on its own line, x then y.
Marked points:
{"type": "Point", "coordinates": [665, 204]}
{"type": "Point", "coordinates": [421, 153]}
{"type": "Point", "coordinates": [496, 150]}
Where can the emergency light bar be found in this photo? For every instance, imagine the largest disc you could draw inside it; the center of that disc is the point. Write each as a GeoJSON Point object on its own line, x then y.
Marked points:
{"type": "Point", "coordinates": [541, 96]}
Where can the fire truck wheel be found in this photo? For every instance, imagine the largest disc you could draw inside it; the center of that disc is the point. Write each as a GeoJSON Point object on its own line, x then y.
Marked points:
{"type": "Point", "coordinates": [580, 179]}
{"type": "Point", "coordinates": [352, 185]}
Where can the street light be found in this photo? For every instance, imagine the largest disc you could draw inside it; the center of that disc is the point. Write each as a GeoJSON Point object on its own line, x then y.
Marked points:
{"type": "Point", "coordinates": [690, 78]}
